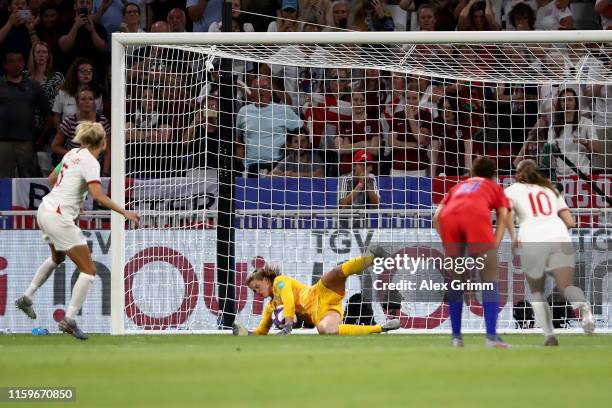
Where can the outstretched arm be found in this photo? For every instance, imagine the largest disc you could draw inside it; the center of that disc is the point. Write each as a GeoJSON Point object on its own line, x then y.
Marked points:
{"type": "Point", "coordinates": [95, 190]}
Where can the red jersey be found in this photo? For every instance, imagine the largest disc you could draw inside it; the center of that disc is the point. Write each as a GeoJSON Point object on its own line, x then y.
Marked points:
{"type": "Point", "coordinates": [476, 196]}
{"type": "Point", "coordinates": [466, 216]}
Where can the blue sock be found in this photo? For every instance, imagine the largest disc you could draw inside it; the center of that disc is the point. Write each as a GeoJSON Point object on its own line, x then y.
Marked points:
{"type": "Point", "coordinates": [490, 304]}
{"type": "Point", "coordinates": [455, 305]}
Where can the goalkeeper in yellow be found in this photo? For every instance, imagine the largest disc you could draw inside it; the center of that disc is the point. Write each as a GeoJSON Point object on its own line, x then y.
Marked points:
{"type": "Point", "coordinates": [319, 305]}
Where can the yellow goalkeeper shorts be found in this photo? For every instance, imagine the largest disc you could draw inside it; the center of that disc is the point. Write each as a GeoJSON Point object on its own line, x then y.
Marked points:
{"type": "Point", "coordinates": [325, 300]}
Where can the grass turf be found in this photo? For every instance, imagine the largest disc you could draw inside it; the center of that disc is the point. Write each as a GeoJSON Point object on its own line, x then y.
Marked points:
{"type": "Point", "coordinates": [313, 371]}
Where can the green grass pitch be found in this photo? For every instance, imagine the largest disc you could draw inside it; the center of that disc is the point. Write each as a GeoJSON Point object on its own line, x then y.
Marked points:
{"type": "Point", "coordinates": [312, 371]}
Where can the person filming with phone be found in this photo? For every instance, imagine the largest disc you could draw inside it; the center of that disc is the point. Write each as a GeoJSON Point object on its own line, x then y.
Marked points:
{"type": "Point", "coordinates": [83, 37]}
{"type": "Point", "coordinates": [17, 32]}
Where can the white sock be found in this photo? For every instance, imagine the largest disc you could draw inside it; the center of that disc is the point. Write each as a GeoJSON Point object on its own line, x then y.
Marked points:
{"type": "Point", "coordinates": [41, 276]}
{"type": "Point", "coordinates": [575, 296]}
{"type": "Point", "coordinates": [542, 312]}
{"type": "Point", "coordinates": [79, 294]}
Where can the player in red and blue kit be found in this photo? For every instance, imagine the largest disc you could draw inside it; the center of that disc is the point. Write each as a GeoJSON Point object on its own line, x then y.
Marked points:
{"type": "Point", "coordinates": [463, 221]}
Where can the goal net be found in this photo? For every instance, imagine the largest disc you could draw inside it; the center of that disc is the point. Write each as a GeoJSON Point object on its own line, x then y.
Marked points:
{"type": "Point", "coordinates": [302, 150]}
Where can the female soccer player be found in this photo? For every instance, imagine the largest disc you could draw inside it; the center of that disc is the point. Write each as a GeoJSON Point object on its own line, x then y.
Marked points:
{"type": "Point", "coordinates": [463, 220]}
{"type": "Point", "coordinates": [319, 305]}
{"type": "Point", "coordinates": [78, 173]}
{"type": "Point", "coordinates": [544, 220]}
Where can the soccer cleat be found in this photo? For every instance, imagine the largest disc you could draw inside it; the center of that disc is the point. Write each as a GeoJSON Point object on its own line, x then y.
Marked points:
{"type": "Point", "coordinates": [25, 305]}
{"type": "Point", "coordinates": [496, 342]}
{"type": "Point", "coordinates": [588, 321]}
{"type": "Point", "coordinates": [457, 341]}
{"type": "Point", "coordinates": [239, 330]}
{"type": "Point", "coordinates": [551, 341]}
{"type": "Point", "coordinates": [377, 251]}
{"type": "Point", "coordinates": [71, 327]}
{"type": "Point", "coordinates": [390, 325]}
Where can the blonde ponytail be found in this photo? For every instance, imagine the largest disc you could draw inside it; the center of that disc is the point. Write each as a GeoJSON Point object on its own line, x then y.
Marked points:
{"type": "Point", "coordinates": [89, 134]}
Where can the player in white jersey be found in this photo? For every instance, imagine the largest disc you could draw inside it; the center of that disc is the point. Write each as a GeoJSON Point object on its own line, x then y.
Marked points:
{"type": "Point", "coordinates": [546, 246]}
{"type": "Point", "coordinates": [73, 178]}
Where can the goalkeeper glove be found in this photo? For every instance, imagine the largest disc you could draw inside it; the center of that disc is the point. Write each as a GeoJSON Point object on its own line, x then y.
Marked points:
{"type": "Point", "coordinates": [240, 330]}
{"type": "Point", "coordinates": [286, 329]}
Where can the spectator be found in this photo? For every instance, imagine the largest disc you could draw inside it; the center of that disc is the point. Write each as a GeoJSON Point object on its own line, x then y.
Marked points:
{"type": "Point", "coordinates": [399, 10]}
{"type": "Point", "coordinates": [395, 100]}
{"type": "Point", "coordinates": [150, 63]}
{"type": "Point", "coordinates": [150, 151]}
{"type": "Point", "coordinates": [160, 27]}
{"type": "Point", "coordinates": [84, 38]}
{"type": "Point", "coordinates": [21, 98]}
{"type": "Point", "coordinates": [340, 14]}
{"type": "Point", "coordinates": [86, 111]}
{"type": "Point", "coordinates": [236, 19]}
{"type": "Point", "coordinates": [35, 6]}
{"type": "Point", "coordinates": [48, 28]}
{"type": "Point", "coordinates": [453, 139]}
{"type": "Point", "coordinates": [478, 16]}
{"type": "Point", "coordinates": [316, 11]}
{"type": "Point", "coordinates": [203, 13]}
{"type": "Point", "coordinates": [358, 133]}
{"type": "Point", "coordinates": [554, 15]}
{"type": "Point", "coordinates": [604, 9]}
{"type": "Point", "coordinates": [359, 189]}
{"type": "Point", "coordinates": [131, 19]}
{"type": "Point", "coordinates": [411, 140]}
{"type": "Point", "coordinates": [375, 91]}
{"type": "Point", "coordinates": [17, 32]}
{"type": "Point", "coordinates": [201, 141]}
{"type": "Point", "coordinates": [426, 17]}
{"type": "Point", "coordinates": [326, 111]}
{"type": "Point", "coordinates": [513, 111]}
{"type": "Point", "coordinates": [601, 96]}
{"type": "Point", "coordinates": [372, 15]}
{"type": "Point", "coordinates": [177, 21]}
{"type": "Point", "coordinates": [262, 126]}
{"type": "Point", "coordinates": [158, 10]}
{"type": "Point", "coordinates": [81, 73]}
{"type": "Point", "coordinates": [299, 82]}
{"type": "Point", "coordinates": [112, 15]}
{"type": "Point", "coordinates": [41, 70]}
{"type": "Point", "coordinates": [573, 134]}
{"type": "Point", "coordinates": [522, 17]}
{"type": "Point", "coordinates": [262, 10]}
{"type": "Point", "coordinates": [300, 160]}
{"type": "Point", "coordinates": [445, 17]}
{"type": "Point", "coordinates": [287, 18]}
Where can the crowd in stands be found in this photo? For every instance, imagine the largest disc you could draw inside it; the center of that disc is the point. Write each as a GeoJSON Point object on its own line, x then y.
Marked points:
{"type": "Point", "coordinates": [290, 120]}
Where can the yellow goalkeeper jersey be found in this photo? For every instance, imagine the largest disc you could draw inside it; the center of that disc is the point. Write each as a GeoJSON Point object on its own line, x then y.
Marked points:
{"type": "Point", "coordinates": [295, 297]}
{"type": "Point", "coordinates": [310, 303]}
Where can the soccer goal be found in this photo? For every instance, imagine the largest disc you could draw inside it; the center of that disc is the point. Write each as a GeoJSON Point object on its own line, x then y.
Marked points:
{"type": "Point", "coordinates": [301, 149]}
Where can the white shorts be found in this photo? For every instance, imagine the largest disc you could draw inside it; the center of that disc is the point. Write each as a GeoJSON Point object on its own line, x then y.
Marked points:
{"type": "Point", "coordinates": [540, 257]}
{"type": "Point", "coordinates": [63, 234]}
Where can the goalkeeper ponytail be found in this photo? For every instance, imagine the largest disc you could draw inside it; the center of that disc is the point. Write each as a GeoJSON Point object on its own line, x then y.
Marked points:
{"type": "Point", "coordinates": [527, 173]}
{"type": "Point", "coordinates": [267, 272]}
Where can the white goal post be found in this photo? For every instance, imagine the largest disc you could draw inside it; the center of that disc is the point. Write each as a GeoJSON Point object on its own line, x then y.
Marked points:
{"type": "Point", "coordinates": [176, 289]}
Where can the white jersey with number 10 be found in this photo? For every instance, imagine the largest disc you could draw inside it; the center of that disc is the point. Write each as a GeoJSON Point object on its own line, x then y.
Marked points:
{"type": "Point", "coordinates": [537, 209]}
